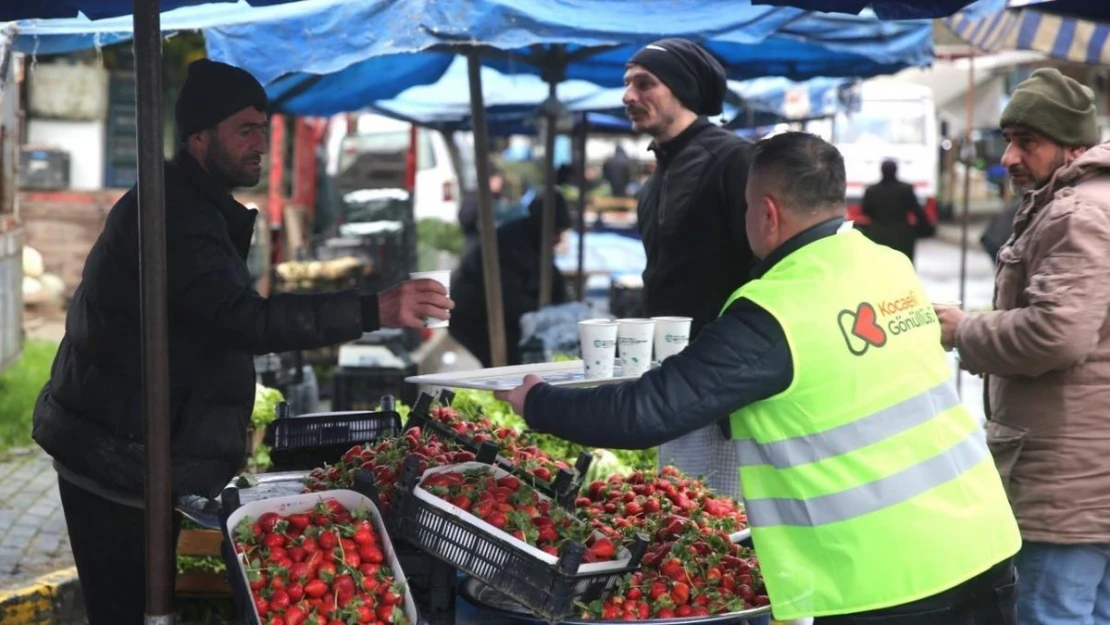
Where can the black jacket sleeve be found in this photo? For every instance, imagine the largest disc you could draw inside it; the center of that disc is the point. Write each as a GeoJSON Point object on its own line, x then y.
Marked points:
{"type": "Point", "coordinates": [739, 359]}
{"type": "Point", "coordinates": [207, 295]}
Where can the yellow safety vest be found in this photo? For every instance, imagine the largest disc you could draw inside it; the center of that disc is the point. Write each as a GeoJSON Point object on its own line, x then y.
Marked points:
{"type": "Point", "coordinates": [867, 484]}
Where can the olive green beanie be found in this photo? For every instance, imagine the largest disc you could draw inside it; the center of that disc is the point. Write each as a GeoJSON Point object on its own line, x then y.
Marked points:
{"type": "Point", "coordinates": [1056, 106]}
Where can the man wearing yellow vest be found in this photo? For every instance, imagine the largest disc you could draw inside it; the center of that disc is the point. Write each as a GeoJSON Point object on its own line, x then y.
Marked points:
{"type": "Point", "coordinates": [869, 488]}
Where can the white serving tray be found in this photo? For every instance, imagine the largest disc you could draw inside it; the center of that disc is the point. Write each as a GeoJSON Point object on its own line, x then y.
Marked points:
{"type": "Point", "coordinates": [624, 556]}
{"type": "Point", "coordinates": [294, 504]}
{"type": "Point", "coordinates": [569, 373]}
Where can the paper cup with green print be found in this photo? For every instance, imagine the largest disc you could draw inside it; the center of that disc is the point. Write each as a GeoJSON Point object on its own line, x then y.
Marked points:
{"type": "Point", "coordinates": [634, 342]}
{"type": "Point", "coordinates": [597, 339]}
{"type": "Point", "coordinates": [672, 335]}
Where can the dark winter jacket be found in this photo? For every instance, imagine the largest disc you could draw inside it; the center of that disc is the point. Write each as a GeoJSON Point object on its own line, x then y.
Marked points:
{"type": "Point", "coordinates": [89, 414]}
{"type": "Point", "coordinates": [518, 249]}
{"type": "Point", "coordinates": [889, 204]}
{"type": "Point", "coordinates": [691, 218]}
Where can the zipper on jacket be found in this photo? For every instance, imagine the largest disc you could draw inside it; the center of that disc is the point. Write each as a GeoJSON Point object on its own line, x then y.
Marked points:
{"type": "Point", "coordinates": [663, 197]}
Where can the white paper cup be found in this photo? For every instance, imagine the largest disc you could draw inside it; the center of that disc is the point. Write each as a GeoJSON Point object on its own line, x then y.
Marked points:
{"type": "Point", "coordinates": [597, 338]}
{"type": "Point", "coordinates": [955, 303]}
{"type": "Point", "coordinates": [442, 277]}
{"type": "Point", "coordinates": [672, 335]}
{"type": "Point", "coordinates": [634, 339]}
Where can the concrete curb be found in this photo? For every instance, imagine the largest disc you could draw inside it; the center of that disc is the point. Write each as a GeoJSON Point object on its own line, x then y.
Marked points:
{"type": "Point", "coordinates": [52, 599]}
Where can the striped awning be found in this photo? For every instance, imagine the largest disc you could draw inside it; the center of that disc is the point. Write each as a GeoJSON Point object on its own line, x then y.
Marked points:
{"type": "Point", "coordinates": [1063, 38]}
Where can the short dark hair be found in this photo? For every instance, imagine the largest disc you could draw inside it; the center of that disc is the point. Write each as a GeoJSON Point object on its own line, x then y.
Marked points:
{"type": "Point", "coordinates": [889, 168]}
{"type": "Point", "coordinates": [806, 172]}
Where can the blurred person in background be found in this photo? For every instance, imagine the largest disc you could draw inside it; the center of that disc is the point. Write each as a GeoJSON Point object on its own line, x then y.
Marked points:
{"type": "Point", "coordinates": [518, 250]}
{"type": "Point", "coordinates": [889, 205]}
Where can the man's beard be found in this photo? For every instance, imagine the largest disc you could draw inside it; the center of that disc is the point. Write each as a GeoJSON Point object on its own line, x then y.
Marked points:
{"type": "Point", "coordinates": [1059, 161]}
{"type": "Point", "coordinates": [231, 174]}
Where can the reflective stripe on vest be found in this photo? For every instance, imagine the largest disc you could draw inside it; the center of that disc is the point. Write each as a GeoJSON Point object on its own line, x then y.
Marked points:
{"type": "Point", "coordinates": [873, 496]}
{"type": "Point", "coordinates": [881, 425]}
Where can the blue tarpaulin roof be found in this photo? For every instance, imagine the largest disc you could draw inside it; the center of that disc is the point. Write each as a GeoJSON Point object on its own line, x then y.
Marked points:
{"type": "Point", "coordinates": [336, 36]}
{"type": "Point", "coordinates": [1057, 36]}
{"type": "Point", "coordinates": [11, 10]}
{"type": "Point", "coordinates": [512, 102]}
{"type": "Point", "coordinates": [343, 64]}
{"type": "Point", "coordinates": [517, 37]}
{"type": "Point", "coordinates": [61, 35]}
{"type": "Point", "coordinates": [28, 9]}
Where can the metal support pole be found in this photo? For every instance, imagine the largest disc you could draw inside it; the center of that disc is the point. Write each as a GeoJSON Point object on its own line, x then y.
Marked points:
{"type": "Point", "coordinates": [153, 318]}
{"type": "Point", "coordinates": [583, 202]}
{"type": "Point", "coordinates": [547, 231]}
{"type": "Point", "coordinates": [965, 216]}
{"type": "Point", "coordinates": [487, 228]}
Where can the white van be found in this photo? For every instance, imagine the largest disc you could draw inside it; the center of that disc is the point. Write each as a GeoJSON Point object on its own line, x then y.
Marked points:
{"type": "Point", "coordinates": [438, 186]}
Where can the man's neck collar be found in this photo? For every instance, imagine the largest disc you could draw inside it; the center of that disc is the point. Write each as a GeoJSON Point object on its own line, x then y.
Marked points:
{"type": "Point", "coordinates": [813, 233]}
{"type": "Point", "coordinates": [664, 150]}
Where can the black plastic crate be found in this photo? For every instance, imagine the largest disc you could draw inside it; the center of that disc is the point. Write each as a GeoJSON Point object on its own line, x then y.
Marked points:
{"type": "Point", "coordinates": [361, 388]}
{"type": "Point", "coordinates": [433, 584]}
{"type": "Point", "coordinates": [563, 489]}
{"type": "Point", "coordinates": [549, 591]}
{"type": "Point", "coordinates": [308, 441]}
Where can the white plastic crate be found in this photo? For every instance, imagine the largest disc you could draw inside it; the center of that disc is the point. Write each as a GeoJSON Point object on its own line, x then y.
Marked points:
{"type": "Point", "coordinates": [294, 504]}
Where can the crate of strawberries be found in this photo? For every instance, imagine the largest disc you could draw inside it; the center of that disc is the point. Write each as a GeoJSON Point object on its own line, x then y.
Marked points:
{"type": "Point", "coordinates": [316, 559]}
{"type": "Point", "coordinates": [487, 522]}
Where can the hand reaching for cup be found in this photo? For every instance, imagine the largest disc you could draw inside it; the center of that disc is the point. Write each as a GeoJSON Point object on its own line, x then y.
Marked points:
{"type": "Point", "coordinates": [408, 304]}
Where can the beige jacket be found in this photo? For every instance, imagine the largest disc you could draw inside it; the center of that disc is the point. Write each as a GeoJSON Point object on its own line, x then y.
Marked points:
{"type": "Point", "coordinates": [1046, 348]}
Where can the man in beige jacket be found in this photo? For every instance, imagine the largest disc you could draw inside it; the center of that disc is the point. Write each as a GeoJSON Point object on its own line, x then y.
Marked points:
{"type": "Point", "coordinates": [1046, 351]}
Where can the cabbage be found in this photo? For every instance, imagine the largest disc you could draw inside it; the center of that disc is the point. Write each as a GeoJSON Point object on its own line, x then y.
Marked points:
{"type": "Point", "coordinates": [265, 405]}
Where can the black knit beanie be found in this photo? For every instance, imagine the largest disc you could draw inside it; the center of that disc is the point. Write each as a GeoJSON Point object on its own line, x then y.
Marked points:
{"type": "Point", "coordinates": [213, 92]}
{"type": "Point", "coordinates": [1056, 106]}
{"type": "Point", "coordinates": [689, 71]}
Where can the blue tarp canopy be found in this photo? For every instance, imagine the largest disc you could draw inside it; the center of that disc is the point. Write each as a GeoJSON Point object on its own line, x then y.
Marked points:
{"type": "Point", "coordinates": [62, 35]}
{"type": "Point", "coordinates": [328, 61]}
{"type": "Point", "coordinates": [1065, 38]}
{"type": "Point", "coordinates": [95, 9]}
{"type": "Point", "coordinates": [512, 102]}
{"type": "Point", "coordinates": [325, 60]}
{"type": "Point", "coordinates": [11, 10]}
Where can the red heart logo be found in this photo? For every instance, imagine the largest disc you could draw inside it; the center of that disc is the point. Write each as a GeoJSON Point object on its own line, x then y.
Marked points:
{"type": "Point", "coordinates": [865, 326]}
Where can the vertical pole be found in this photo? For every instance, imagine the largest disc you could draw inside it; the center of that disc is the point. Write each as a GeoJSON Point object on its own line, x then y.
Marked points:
{"type": "Point", "coordinates": [153, 318]}
{"type": "Point", "coordinates": [583, 189]}
{"type": "Point", "coordinates": [969, 156]}
{"type": "Point", "coordinates": [547, 231]}
{"type": "Point", "coordinates": [274, 206]}
{"type": "Point", "coordinates": [487, 229]}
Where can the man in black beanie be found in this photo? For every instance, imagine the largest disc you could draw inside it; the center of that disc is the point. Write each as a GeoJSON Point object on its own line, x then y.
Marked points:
{"type": "Point", "coordinates": [89, 415]}
{"type": "Point", "coordinates": [690, 214]}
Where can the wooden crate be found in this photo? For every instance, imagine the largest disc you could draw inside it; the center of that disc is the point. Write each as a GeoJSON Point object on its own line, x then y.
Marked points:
{"type": "Point", "coordinates": [201, 542]}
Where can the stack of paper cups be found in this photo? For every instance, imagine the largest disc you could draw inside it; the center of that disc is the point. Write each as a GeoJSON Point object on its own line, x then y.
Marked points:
{"type": "Point", "coordinates": [672, 335]}
{"type": "Point", "coordinates": [597, 339]}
